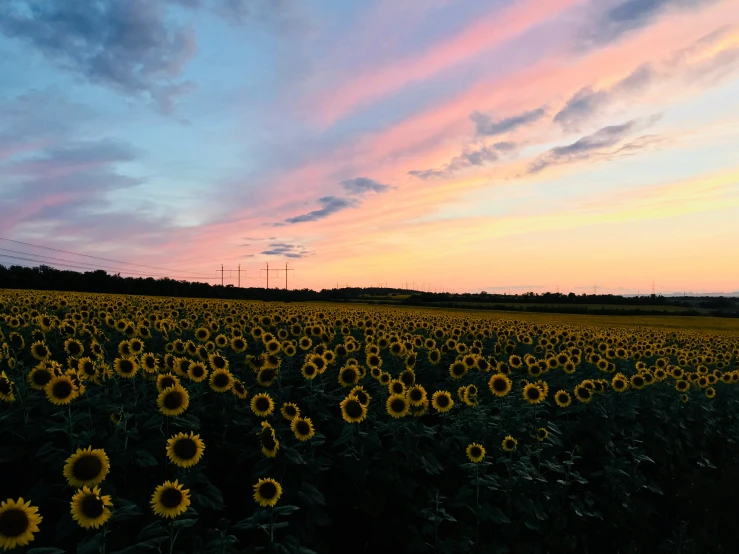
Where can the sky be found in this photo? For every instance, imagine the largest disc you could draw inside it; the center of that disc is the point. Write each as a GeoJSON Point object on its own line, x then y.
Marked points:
{"type": "Point", "coordinates": [444, 145]}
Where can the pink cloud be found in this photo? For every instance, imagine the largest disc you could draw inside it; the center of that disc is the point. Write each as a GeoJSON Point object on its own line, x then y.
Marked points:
{"type": "Point", "coordinates": [483, 35]}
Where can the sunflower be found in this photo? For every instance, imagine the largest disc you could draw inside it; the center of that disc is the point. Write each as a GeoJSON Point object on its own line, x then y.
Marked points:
{"type": "Point", "coordinates": [637, 381]}
{"type": "Point", "coordinates": [267, 492]}
{"type": "Point", "coordinates": [239, 389]}
{"type": "Point", "coordinates": [396, 386]}
{"type": "Point", "coordinates": [309, 370]}
{"type": "Point", "coordinates": [373, 361]}
{"type": "Point", "coordinates": [238, 344]}
{"type": "Point", "coordinates": [197, 372]}
{"type": "Point", "coordinates": [89, 508]}
{"type": "Point", "coordinates": [270, 444]}
{"type": "Point", "coordinates": [6, 388]}
{"type": "Point", "coordinates": [499, 384]}
{"type": "Point", "coordinates": [173, 400]}
{"type": "Point", "coordinates": [61, 390]}
{"type": "Point", "coordinates": [348, 376]}
{"type": "Point", "coordinates": [267, 375]}
{"type": "Point", "coordinates": [710, 392]}
{"type": "Point", "coordinates": [416, 395]}
{"type": "Point", "coordinates": [352, 410]}
{"type": "Point", "coordinates": [221, 380]}
{"type": "Point", "coordinates": [303, 429]}
{"type": "Point", "coordinates": [185, 450]}
{"type": "Point", "coordinates": [217, 361]}
{"type": "Point", "coordinates": [619, 383]}
{"type": "Point", "coordinates": [40, 376]}
{"type": "Point", "coordinates": [509, 444]}
{"type": "Point", "coordinates": [40, 351]}
{"type": "Point", "coordinates": [397, 405]}
{"type": "Point", "coordinates": [262, 404]}
{"type": "Point", "coordinates": [290, 411]}
{"type": "Point", "coordinates": [86, 368]}
{"type": "Point", "coordinates": [18, 522]}
{"type": "Point", "coordinates": [87, 467]}
{"type": "Point", "coordinates": [475, 452]}
{"type": "Point", "coordinates": [457, 370]}
{"type": "Point", "coordinates": [442, 401]}
{"type": "Point", "coordinates": [126, 367]}
{"type": "Point", "coordinates": [360, 394]}
{"type": "Point", "coordinates": [407, 377]}
{"type": "Point", "coordinates": [681, 385]}
{"type": "Point", "coordinates": [73, 347]}
{"type": "Point", "coordinates": [541, 434]}
{"type": "Point", "coordinates": [166, 380]}
{"type": "Point", "coordinates": [583, 393]}
{"type": "Point", "coordinates": [170, 499]}
{"type": "Point", "coordinates": [533, 394]}
{"type": "Point", "coordinates": [562, 398]}
{"type": "Point", "coordinates": [469, 395]}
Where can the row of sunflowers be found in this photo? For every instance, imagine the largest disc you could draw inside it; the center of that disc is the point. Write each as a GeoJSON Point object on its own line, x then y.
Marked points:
{"type": "Point", "coordinates": [131, 424]}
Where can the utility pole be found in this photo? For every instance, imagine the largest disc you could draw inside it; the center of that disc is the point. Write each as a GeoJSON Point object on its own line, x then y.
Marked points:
{"type": "Point", "coordinates": [286, 270]}
{"type": "Point", "coordinates": [268, 270]}
{"type": "Point", "coordinates": [222, 270]}
{"type": "Point", "coordinates": [278, 273]}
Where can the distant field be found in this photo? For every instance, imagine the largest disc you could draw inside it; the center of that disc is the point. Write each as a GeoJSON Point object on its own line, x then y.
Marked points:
{"type": "Point", "coordinates": [705, 323]}
{"type": "Point", "coordinates": [521, 305]}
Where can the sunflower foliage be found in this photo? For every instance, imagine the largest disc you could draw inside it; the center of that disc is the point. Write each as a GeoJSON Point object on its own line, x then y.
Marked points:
{"type": "Point", "coordinates": [135, 424]}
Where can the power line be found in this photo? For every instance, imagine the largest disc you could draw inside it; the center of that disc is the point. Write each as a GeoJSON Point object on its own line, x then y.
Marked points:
{"type": "Point", "coordinates": [80, 264]}
{"type": "Point", "coordinates": [50, 264]}
{"type": "Point", "coordinates": [90, 256]}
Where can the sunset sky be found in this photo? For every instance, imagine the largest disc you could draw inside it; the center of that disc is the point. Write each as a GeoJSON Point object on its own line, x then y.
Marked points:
{"type": "Point", "coordinates": [456, 144]}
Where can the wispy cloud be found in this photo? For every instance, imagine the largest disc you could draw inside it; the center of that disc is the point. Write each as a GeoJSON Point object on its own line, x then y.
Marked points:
{"type": "Point", "coordinates": [588, 102]}
{"type": "Point", "coordinates": [331, 205]}
{"type": "Point", "coordinates": [599, 142]}
{"type": "Point", "coordinates": [475, 157]}
{"type": "Point", "coordinates": [486, 127]}
{"type": "Point", "coordinates": [361, 185]}
{"type": "Point", "coordinates": [286, 250]}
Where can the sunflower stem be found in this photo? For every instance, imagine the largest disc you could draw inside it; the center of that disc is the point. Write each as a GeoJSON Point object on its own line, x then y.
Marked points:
{"type": "Point", "coordinates": [171, 536]}
{"type": "Point", "coordinates": [104, 533]}
{"type": "Point", "coordinates": [71, 428]}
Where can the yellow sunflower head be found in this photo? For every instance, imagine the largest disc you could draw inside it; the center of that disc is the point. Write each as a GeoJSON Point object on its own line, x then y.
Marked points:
{"type": "Point", "coordinates": [87, 467]}
{"type": "Point", "coordinates": [475, 452]}
{"type": "Point", "coordinates": [18, 522]}
{"type": "Point", "coordinates": [89, 508]}
{"type": "Point", "coordinates": [170, 500]}
{"type": "Point", "coordinates": [267, 492]}
{"type": "Point", "coordinates": [185, 450]}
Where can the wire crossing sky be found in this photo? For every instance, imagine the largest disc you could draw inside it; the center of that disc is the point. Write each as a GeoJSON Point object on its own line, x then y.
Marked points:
{"type": "Point", "coordinates": [469, 145]}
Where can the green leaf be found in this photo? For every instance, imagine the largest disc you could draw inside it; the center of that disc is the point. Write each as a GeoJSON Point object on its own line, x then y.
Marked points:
{"type": "Point", "coordinates": [209, 497]}
{"type": "Point", "coordinates": [124, 509]}
{"type": "Point", "coordinates": [294, 456]}
{"type": "Point", "coordinates": [154, 530]}
{"type": "Point", "coordinates": [145, 459]}
{"type": "Point", "coordinates": [285, 510]}
{"type": "Point", "coordinates": [184, 523]}
{"type": "Point", "coordinates": [45, 550]}
{"type": "Point", "coordinates": [313, 493]}
{"type": "Point", "coordinates": [90, 544]}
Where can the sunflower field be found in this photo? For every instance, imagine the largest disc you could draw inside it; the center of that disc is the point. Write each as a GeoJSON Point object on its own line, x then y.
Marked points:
{"type": "Point", "coordinates": [144, 424]}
